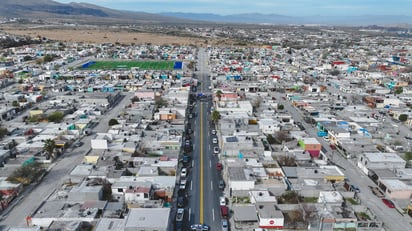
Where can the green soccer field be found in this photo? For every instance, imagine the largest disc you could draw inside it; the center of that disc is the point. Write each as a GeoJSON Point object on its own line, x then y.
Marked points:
{"type": "Point", "coordinates": [143, 65]}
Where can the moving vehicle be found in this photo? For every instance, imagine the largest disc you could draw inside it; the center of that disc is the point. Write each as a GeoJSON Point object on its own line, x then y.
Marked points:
{"type": "Point", "coordinates": [199, 227]}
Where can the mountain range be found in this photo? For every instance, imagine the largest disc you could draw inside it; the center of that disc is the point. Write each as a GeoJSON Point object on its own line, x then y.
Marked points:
{"type": "Point", "coordinates": [84, 12]}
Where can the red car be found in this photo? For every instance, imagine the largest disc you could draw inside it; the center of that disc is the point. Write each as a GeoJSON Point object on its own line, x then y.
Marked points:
{"type": "Point", "coordinates": [219, 166]}
{"type": "Point", "coordinates": [388, 203]}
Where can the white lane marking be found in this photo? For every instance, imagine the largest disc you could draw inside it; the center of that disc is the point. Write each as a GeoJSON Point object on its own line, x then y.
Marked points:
{"type": "Point", "coordinates": [193, 163]}
{"type": "Point", "coordinates": [190, 210]}
{"type": "Point", "coordinates": [213, 214]}
{"type": "Point", "coordinates": [211, 186]}
{"type": "Point", "coordinates": [210, 164]}
{"type": "Point", "coordinates": [191, 185]}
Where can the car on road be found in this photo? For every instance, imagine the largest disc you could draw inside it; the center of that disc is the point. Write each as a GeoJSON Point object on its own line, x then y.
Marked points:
{"type": "Point", "coordinates": [225, 225]}
{"type": "Point", "coordinates": [179, 215]}
{"type": "Point", "coordinates": [388, 203]}
{"type": "Point", "coordinates": [180, 201]}
{"type": "Point", "coordinates": [78, 144]}
{"type": "Point", "coordinates": [222, 201]}
{"type": "Point", "coordinates": [354, 188]}
{"type": "Point", "coordinates": [199, 227]}
{"type": "Point", "coordinates": [214, 140]}
{"type": "Point", "coordinates": [186, 159]}
{"type": "Point", "coordinates": [216, 150]}
{"type": "Point", "coordinates": [408, 137]}
{"type": "Point", "coordinates": [183, 172]}
{"type": "Point", "coordinates": [182, 184]}
{"type": "Point", "coordinates": [221, 185]}
{"type": "Point", "coordinates": [219, 166]}
{"type": "Point", "coordinates": [213, 132]}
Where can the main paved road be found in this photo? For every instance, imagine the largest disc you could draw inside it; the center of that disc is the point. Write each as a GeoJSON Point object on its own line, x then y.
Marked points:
{"type": "Point", "coordinates": [28, 202]}
{"type": "Point", "coordinates": [392, 219]}
{"type": "Point", "coordinates": [204, 192]}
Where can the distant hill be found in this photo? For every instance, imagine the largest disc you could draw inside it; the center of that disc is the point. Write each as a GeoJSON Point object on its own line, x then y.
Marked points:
{"type": "Point", "coordinates": [257, 18]}
{"type": "Point", "coordinates": [84, 12]}
{"type": "Point", "coordinates": [48, 9]}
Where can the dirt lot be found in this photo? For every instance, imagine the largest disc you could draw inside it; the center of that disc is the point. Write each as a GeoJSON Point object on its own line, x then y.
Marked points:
{"type": "Point", "coordinates": [104, 36]}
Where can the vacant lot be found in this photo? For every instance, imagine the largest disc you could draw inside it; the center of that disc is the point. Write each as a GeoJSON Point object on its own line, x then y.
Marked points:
{"type": "Point", "coordinates": [145, 65]}
{"type": "Point", "coordinates": [104, 36]}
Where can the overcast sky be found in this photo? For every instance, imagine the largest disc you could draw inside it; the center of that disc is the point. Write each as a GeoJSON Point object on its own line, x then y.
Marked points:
{"type": "Point", "coordinates": [282, 7]}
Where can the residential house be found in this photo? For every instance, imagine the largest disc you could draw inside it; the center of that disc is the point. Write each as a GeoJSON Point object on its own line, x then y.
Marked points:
{"type": "Point", "coordinates": [378, 160]}
{"type": "Point", "coordinates": [149, 219]}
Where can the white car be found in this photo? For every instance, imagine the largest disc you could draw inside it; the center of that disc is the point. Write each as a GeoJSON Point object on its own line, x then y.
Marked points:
{"type": "Point", "coordinates": [214, 140]}
{"type": "Point", "coordinates": [222, 201]}
{"type": "Point", "coordinates": [182, 184]}
{"type": "Point", "coordinates": [216, 150]}
{"type": "Point", "coordinates": [213, 132]}
{"type": "Point", "coordinates": [183, 172]}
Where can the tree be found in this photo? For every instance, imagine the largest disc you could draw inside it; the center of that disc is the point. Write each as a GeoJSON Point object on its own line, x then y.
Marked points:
{"type": "Point", "coordinates": [49, 146]}
{"type": "Point", "coordinates": [215, 116]}
{"type": "Point", "coordinates": [3, 132]}
{"type": "Point", "coordinates": [48, 58]}
{"type": "Point", "coordinates": [283, 136]}
{"type": "Point", "coordinates": [403, 117]}
{"type": "Point", "coordinates": [113, 122]}
{"type": "Point", "coordinates": [160, 102]}
{"type": "Point", "coordinates": [15, 103]}
{"type": "Point", "coordinates": [26, 173]}
{"type": "Point", "coordinates": [281, 107]}
{"type": "Point", "coordinates": [219, 94]}
{"type": "Point", "coordinates": [56, 117]}
{"type": "Point", "coordinates": [398, 90]}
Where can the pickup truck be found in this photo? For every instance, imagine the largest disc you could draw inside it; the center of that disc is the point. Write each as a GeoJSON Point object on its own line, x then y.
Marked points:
{"type": "Point", "coordinates": [376, 191]}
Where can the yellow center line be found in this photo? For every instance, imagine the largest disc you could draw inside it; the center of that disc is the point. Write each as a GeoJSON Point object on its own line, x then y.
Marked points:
{"type": "Point", "coordinates": [201, 164]}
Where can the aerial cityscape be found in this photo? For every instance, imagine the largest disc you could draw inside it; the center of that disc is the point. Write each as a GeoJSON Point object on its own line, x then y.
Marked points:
{"type": "Point", "coordinates": [156, 119]}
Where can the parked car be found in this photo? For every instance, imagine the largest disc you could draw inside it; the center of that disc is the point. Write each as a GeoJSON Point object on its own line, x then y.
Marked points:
{"type": "Point", "coordinates": [222, 201]}
{"type": "Point", "coordinates": [214, 140]}
{"type": "Point", "coordinates": [186, 159]}
{"type": "Point", "coordinates": [225, 225]}
{"type": "Point", "coordinates": [388, 203]}
{"type": "Point", "coordinates": [213, 132]}
{"type": "Point", "coordinates": [179, 215]}
{"type": "Point", "coordinates": [182, 184]}
{"type": "Point", "coordinates": [183, 172]}
{"type": "Point", "coordinates": [216, 150]}
{"type": "Point", "coordinates": [224, 211]}
{"type": "Point", "coordinates": [180, 201]}
{"type": "Point", "coordinates": [219, 166]}
{"type": "Point", "coordinates": [354, 188]}
{"type": "Point", "coordinates": [221, 185]}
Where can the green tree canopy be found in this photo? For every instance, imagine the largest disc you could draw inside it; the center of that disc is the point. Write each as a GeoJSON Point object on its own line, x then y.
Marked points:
{"type": "Point", "coordinates": [49, 146]}
{"type": "Point", "coordinates": [215, 116]}
{"type": "Point", "coordinates": [113, 122]}
{"type": "Point", "coordinates": [56, 117]}
{"type": "Point", "coordinates": [403, 117]}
